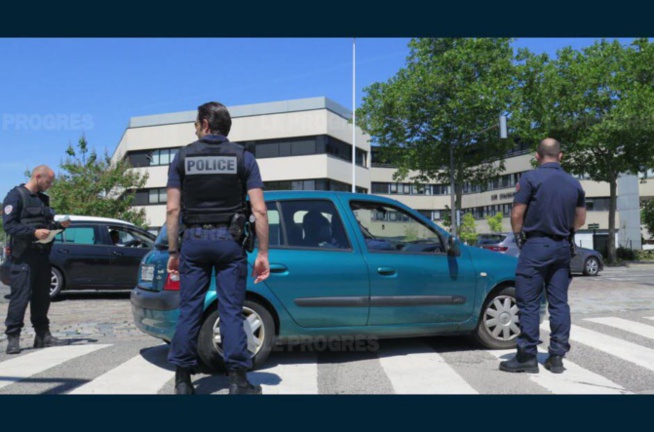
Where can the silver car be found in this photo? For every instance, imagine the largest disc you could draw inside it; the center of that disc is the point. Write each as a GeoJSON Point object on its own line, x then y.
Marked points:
{"type": "Point", "coordinates": [587, 261]}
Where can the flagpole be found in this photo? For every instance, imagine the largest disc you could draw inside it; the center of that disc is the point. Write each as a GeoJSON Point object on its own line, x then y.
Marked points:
{"type": "Point", "coordinates": [354, 116]}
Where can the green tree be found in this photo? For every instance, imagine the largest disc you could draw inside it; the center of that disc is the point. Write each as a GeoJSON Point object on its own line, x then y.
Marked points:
{"type": "Point", "coordinates": [93, 185]}
{"type": "Point", "coordinates": [468, 229]}
{"type": "Point", "coordinates": [647, 216]}
{"type": "Point", "coordinates": [495, 222]}
{"type": "Point", "coordinates": [599, 102]}
{"type": "Point", "coordinates": [449, 95]}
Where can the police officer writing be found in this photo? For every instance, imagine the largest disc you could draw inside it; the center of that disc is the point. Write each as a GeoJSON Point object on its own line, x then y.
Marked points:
{"type": "Point", "coordinates": [548, 207]}
{"type": "Point", "coordinates": [28, 219]}
{"type": "Point", "coordinates": [208, 181]}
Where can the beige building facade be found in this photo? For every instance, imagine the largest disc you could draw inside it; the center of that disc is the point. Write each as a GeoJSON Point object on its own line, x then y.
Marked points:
{"type": "Point", "coordinates": [307, 144]}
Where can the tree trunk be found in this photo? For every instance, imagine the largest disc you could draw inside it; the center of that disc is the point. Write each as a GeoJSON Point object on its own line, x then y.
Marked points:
{"type": "Point", "coordinates": [611, 254]}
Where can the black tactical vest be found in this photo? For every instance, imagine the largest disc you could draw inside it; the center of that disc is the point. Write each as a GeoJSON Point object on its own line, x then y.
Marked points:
{"type": "Point", "coordinates": [35, 212]}
{"type": "Point", "coordinates": [213, 182]}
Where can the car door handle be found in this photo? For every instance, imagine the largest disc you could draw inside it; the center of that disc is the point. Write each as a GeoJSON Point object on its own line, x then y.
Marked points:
{"type": "Point", "coordinates": [63, 251]}
{"type": "Point", "coordinates": [278, 268]}
{"type": "Point", "coordinates": [117, 253]}
{"type": "Point", "coordinates": [386, 271]}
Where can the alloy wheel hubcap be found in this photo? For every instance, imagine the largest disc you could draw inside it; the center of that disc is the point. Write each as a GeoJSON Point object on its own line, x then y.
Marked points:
{"type": "Point", "coordinates": [254, 331]}
{"type": "Point", "coordinates": [501, 318]}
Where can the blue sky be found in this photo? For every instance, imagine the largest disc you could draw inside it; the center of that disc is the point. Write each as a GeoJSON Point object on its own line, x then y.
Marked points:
{"type": "Point", "coordinates": [54, 90]}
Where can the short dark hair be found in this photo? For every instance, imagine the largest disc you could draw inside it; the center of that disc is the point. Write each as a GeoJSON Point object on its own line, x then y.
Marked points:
{"type": "Point", "coordinates": [217, 116]}
{"type": "Point", "coordinates": [549, 147]}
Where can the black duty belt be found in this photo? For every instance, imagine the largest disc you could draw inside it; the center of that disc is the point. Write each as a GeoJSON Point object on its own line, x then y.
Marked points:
{"type": "Point", "coordinates": [537, 234]}
{"type": "Point", "coordinates": [208, 226]}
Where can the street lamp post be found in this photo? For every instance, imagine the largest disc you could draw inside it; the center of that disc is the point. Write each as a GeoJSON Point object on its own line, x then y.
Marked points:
{"type": "Point", "coordinates": [453, 210]}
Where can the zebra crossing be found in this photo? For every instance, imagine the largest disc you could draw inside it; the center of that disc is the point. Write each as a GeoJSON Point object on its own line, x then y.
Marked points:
{"type": "Point", "coordinates": [418, 366]}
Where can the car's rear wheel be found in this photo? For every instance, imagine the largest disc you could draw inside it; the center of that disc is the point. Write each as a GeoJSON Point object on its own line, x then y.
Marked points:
{"type": "Point", "coordinates": [259, 329]}
{"type": "Point", "coordinates": [56, 282]}
{"type": "Point", "coordinates": [498, 324]}
{"type": "Point", "coordinates": [591, 266]}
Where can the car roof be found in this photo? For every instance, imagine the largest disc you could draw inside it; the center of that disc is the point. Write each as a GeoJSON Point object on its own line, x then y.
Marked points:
{"type": "Point", "coordinates": [79, 218]}
{"type": "Point", "coordinates": [289, 194]}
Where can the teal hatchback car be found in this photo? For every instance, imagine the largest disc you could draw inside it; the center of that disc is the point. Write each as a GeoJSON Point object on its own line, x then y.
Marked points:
{"type": "Point", "coordinates": [345, 264]}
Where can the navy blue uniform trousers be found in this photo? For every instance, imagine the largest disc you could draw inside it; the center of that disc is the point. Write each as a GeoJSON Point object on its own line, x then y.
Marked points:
{"type": "Point", "coordinates": [202, 251]}
{"type": "Point", "coordinates": [30, 283]}
{"type": "Point", "coordinates": [544, 262]}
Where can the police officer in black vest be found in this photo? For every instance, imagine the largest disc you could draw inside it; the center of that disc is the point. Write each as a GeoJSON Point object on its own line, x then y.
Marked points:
{"type": "Point", "coordinates": [28, 218]}
{"type": "Point", "coordinates": [208, 181]}
{"type": "Point", "coordinates": [548, 207]}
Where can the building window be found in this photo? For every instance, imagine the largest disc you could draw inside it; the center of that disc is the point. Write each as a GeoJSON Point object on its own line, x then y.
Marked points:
{"type": "Point", "coordinates": [157, 157]}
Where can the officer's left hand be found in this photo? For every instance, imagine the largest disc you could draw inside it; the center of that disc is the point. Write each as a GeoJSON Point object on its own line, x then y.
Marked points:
{"type": "Point", "coordinates": [173, 264]}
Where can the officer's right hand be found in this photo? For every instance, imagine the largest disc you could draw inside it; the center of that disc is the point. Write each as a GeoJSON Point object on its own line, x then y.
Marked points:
{"type": "Point", "coordinates": [41, 234]}
{"type": "Point", "coordinates": [173, 264]}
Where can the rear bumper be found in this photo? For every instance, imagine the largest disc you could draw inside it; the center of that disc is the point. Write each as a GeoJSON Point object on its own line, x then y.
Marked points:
{"type": "Point", "coordinates": [155, 313]}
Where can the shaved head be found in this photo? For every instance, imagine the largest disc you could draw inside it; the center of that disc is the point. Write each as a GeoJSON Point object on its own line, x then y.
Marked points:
{"type": "Point", "coordinates": [42, 170]}
{"type": "Point", "coordinates": [42, 179]}
{"type": "Point", "coordinates": [549, 148]}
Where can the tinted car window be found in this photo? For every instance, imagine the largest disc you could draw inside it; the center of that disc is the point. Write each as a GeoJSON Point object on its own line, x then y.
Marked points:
{"type": "Point", "coordinates": [490, 239]}
{"type": "Point", "coordinates": [312, 224]}
{"type": "Point", "coordinates": [80, 235]}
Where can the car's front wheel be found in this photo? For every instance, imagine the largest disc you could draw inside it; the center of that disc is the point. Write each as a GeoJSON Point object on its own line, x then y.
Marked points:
{"type": "Point", "coordinates": [591, 266]}
{"type": "Point", "coordinates": [498, 324]}
{"type": "Point", "coordinates": [259, 329]}
{"type": "Point", "coordinates": [56, 282]}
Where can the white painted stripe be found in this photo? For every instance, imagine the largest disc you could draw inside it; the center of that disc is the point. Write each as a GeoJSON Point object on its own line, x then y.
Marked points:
{"type": "Point", "coordinates": [574, 380]}
{"type": "Point", "coordinates": [626, 325]}
{"type": "Point", "coordinates": [288, 378]}
{"type": "Point", "coordinates": [24, 366]}
{"type": "Point", "coordinates": [424, 372]}
{"type": "Point", "coordinates": [135, 376]}
{"type": "Point", "coordinates": [628, 351]}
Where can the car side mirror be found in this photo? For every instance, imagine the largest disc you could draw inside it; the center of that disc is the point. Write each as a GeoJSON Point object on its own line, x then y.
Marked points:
{"type": "Point", "coordinates": [453, 246]}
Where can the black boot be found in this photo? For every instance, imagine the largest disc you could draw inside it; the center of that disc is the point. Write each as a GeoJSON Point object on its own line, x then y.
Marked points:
{"type": "Point", "coordinates": [239, 385]}
{"type": "Point", "coordinates": [183, 384]}
{"type": "Point", "coordinates": [13, 344]}
{"type": "Point", "coordinates": [554, 364]}
{"type": "Point", "coordinates": [45, 339]}
{"type": "Point", "coordinates": [522, 362]}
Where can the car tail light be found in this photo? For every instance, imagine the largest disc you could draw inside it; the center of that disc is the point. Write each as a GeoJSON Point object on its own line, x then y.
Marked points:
{"type": "Point", "coordinates": [7, 251]}
{"type": "Point", "coordinates": [172, 283]}
{"type": "Point", "coordinates": [497, 248]}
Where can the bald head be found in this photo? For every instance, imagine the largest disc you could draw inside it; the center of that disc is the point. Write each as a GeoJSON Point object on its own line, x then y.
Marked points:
{"type": "Point", "coordinates": [42, 178]}
{"type": "Point", "coordinates": [42, 170]}
{"type": "Point", "coordinates": [549, 150]}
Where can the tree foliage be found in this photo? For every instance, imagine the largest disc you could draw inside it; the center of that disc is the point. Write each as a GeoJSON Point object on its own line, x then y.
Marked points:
{"type": "Point", "coordinates": [93, 185]}
{"type": "Point", "coordinates": [599, 103]}
{"type": "Point", "coordinates": [647, 216]}
{"type": "Point", "coordinates": [450, 93]}
{"type": "Point", "coordinates": [495, 222]}
{"type": "Point", "coordinates": [468, 231]}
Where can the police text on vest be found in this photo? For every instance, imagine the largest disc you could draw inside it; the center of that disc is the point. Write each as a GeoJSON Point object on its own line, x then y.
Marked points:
{"type": "Point", "coordinates": [210, 165]}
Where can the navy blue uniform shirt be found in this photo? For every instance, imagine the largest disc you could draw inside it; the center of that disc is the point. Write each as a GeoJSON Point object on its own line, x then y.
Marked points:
{"type": "Point", "coordinates": [252, 173]}
{"type": "Point", "coordinates": [552, 197]}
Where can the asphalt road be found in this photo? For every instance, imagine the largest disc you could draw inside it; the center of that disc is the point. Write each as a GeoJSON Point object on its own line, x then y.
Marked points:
{"type": "Point", "coordinates": [612, 353]}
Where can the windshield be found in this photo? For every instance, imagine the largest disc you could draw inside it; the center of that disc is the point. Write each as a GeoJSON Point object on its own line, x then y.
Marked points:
{"type": "Point", "coordinates": [162, 239]}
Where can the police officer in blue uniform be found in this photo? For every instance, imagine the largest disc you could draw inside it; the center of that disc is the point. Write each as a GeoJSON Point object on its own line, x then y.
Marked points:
{"type": "Point", "coordinates": [208, 181]}
{"type": "Point", "coordinates": [548, 207]}
{"type": "Point", "coordinates": [28, 218]}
